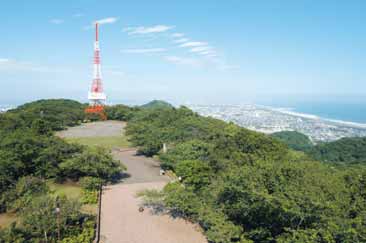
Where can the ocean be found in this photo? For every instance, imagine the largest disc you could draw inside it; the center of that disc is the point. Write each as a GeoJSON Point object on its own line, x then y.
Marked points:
{"type": "Point", "coordinates": [343, 111]}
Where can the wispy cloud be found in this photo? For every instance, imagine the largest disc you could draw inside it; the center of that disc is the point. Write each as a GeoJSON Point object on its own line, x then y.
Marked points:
{"type": "Point", "coordinates": [201, 49]}
{"type": "Point", "coordinates": [194, 44]}
{"type": "Point", "coordinates": [182, 40]}
{"type": "Point", "coordinates": [109, 20]}
{"type": "Point", "coordinates": [141, 30]}
{"type": "Point", "coordinates": [194, 62]}
{"type": "Point", "coordinates": [177, 35]}
{"type": "Point", "coordinates": [57, 21]}
{"type": "Point", "coordinates": [144, 50]}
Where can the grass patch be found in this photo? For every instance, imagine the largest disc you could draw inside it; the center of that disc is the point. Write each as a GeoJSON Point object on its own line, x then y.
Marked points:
{"type": "Point", "coordinates": [105, 142]}
{"type": "Point", "coordinates": [70, 190]}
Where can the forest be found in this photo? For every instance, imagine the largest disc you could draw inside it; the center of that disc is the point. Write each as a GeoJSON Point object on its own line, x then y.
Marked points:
{"type": "Point", "coordinates": [244, 186]}
{"type": "Point", "coordinates": [240, 186]}
{"type": "Point", "coordinates": [342, 151]}
{"type": "Point", "coordinates": [32, 157]}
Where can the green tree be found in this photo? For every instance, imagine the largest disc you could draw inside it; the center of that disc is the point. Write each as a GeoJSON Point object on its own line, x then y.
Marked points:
{"type": "Point", "coordinates": [92, 162]}
{"type": "Point", "coordinates": [194, 173]}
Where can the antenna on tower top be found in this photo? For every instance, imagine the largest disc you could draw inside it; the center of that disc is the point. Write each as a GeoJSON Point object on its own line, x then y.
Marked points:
{"type": "Point", "coordinates": [96, 31]}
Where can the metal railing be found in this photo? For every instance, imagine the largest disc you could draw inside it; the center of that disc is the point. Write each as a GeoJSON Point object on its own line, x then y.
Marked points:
{"type": "Point", "coordinates": [99, 210]}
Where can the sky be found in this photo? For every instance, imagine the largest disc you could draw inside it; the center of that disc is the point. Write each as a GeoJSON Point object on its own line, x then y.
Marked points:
{"type": "Point", "coordinates": [233, 51]}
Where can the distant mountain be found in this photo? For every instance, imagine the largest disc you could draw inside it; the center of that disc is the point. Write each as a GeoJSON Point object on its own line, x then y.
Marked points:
{"type": "Point", "coordinates": [345, 150]}
{"type": "Point", "coordinates": [157, 104]}
{"type": "Point", "coordinates": [294, 140]}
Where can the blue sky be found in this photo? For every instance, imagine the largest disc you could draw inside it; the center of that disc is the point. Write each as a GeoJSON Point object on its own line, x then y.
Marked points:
{"type": "Point", "coordinates": [184, 51]}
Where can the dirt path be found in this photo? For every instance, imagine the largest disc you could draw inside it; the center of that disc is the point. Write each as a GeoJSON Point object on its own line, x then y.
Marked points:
{"type": "Point", "coordinates": [121, 222]}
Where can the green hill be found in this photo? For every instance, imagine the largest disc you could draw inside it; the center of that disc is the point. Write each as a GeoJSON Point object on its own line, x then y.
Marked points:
{"type": "Point", "coordinates": [157, 104]}
{"type": "Point", "coordinates": [345, 150]}
{"type": "Point", "coordinates": [244, 186]}
{"type": "Point", "coordinates": [294, 140]}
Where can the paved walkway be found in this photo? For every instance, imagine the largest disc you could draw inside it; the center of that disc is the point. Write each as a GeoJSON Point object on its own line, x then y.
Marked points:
{"type": "Point", "coordinates": [121, 222]}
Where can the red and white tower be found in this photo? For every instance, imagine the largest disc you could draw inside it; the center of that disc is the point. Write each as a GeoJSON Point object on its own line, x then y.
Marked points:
{"type": "Point", "coordinates": [96, 95]}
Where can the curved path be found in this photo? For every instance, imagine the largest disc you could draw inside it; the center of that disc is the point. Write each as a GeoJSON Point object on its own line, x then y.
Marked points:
{"type": "Point", "coordinates": [121, 222]}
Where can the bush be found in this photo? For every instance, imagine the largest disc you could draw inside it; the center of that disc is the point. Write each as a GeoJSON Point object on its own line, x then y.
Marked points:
{"type": "Point", "coordinates": [39, 217]}
{"type": "Point", "coordinates": [89, 197]}
{"type": "Point", "coordinates": [190, 150]}
{"type": "Point", "coordinates": [90, 183]}
{"type": "Point", "coordinates": [86, 236]}
{"type": "Point", "coordinates": [92, 162]}
{"type": "Point", "coordinates": [26, 189]}
{"type": "Point", "coordinates": [194, 173]}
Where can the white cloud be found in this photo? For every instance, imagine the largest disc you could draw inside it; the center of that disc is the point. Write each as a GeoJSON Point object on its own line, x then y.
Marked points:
{"type": "Point", "coordinates": [4, 60]}
{"type": "Point", "coordinates": [141, 30]}
{"type": "Point", "coordinates": [57, 21]}
{"type": "Point", "coordinates": [194, 44]}
{"type": "Point", "coordinates": [184, 61]}
{"type": "Point", "coordinates": [182, 40]}
{"type": "Point", "coordinates": [145, 50]}
{"type": "Point", "coordinates": [109, 20]}
{"type": "Point", "coordinates": [177, 35]}
{"type": "Point", "coordinates": [202, 49]}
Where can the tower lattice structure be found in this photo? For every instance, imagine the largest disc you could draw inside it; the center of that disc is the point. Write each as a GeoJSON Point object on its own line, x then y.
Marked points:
{"type": "Point", "coordinates": [96, 94]}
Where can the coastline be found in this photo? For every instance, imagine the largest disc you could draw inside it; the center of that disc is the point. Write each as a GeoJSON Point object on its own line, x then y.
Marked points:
{"type": "Point", "coordinates": [289, 111]}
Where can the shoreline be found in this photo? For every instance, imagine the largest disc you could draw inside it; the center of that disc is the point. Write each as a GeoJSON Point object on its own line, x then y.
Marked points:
{"type": "Point", "coordinates": [315, 117]}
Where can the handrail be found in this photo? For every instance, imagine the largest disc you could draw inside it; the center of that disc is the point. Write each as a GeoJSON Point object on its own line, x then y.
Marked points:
{"type": "Point", "coordinates": [97, 229]}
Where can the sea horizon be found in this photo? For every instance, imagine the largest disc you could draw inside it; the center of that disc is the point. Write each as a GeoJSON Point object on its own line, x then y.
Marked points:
{"type": "Point", "coordinates": [333, 111]}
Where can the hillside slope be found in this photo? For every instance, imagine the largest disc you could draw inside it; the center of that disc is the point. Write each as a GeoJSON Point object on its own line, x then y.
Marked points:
{"type": "Point", "coordinates": [345, 150]}
{"type": "Point", "coordinates": [294, 140]}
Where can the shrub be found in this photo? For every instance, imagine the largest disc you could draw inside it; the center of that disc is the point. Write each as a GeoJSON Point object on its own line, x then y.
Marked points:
{"type": "Point", "coordinates": [90, 183]}
{"type": "Point", "coordinates": [92, 162]}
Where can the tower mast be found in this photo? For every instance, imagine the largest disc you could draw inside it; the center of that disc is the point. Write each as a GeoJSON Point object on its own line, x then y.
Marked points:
{"type": "Point", "coordinates": [96, 96]}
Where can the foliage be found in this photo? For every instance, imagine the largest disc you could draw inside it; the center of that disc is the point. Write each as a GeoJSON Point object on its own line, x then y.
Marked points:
{"type": "Point", "coordinates": [41, 219]}
{"type": "Point", "coordinates": [190, 150]}
{"type": "Point", "coordinates": [91, 183]}
{"type": "Point", "coordinates": [120, 112]}
{"type": "Point", "coordinates": [345, 150]}
{"type": "Point", "coordinates": [244, 186]}
{"type": "Point", "coordinates": [86, 235]}
{"type": "Point", "coordinates": [13, 234]}
{"type": "Point", "coordinates": [294, 140]}
{"type": "Point", "coordinates": [90, 186]}
{"type": "Point", "coordinates": [56, 113]}
{"type": "Point", "coordinates": [30, 155]}
{"type": "Point", "coordinates": [157, 104]}
{"type": "Point", "coordinates": [92, 162]}
{"type": "Point", "coordinates": [24, 192]}
{"type": "Point", "coordinates": [194, 173]}
{"type": "Point", "coordinates": [89, 196]}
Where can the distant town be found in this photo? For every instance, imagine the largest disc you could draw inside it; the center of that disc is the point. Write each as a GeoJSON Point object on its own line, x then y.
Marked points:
{"type": "Point", "coordinates": [270, 120]}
